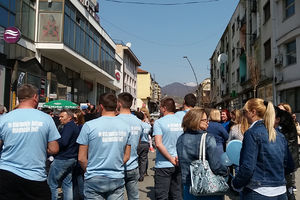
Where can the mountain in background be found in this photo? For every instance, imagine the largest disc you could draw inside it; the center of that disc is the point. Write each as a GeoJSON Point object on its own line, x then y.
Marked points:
{"type": "Point", "coordinates": [177, 89]}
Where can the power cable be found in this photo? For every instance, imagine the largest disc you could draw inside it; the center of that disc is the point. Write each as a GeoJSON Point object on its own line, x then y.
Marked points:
{"type": "Point", "coordinates": [162, 4]}
{"type": "Point", "coordinates": [158, 43]}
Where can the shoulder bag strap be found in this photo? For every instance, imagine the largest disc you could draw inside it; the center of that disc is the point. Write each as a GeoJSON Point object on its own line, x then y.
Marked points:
{"type": "Point", "coordinates": [202, 147]}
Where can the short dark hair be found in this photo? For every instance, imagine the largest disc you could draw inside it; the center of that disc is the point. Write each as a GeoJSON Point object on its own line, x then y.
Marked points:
{"type": "Point", "coordinates": [169, 104]}
{"type": "Point", "coordinates": [125, 99]}
{"type": "Point", "coordinates": [69, 112]}
{"type": "Point", "coordinates": [139, 115]}
{"type": "Point", "coordinates": [26, 91]}
{"type": "Point", "coordinates": [190, 100]}
{"type": "Point", "coordinates": [108, 101]}
{"type": "Point", "coordinates": [47, 110]}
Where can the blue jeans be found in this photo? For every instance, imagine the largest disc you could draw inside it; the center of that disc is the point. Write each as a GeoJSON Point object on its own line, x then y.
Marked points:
{"type": "Point", "coordinates": [61, 172]}
{"type": "Point", "coordinates": [131, 183]}
{"type": "Point", "coordinates": [248, 194]}
{"type": "Point", "coordinates": [100, 187]}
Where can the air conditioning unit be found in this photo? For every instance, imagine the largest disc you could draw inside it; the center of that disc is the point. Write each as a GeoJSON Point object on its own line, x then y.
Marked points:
{"type": "Point", "coordinates": [86, 3]}
{"type": "Point", "coordinates": [278, 60]}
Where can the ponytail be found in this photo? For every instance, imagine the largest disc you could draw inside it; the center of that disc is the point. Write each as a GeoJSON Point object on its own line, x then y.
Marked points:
{"type": "Point", "coordinates": [269, 118]}
{"type": "Point", "coordinates": [264, 110]}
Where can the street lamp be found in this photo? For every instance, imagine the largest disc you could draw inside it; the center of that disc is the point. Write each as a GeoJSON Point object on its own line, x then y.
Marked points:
{"type": "Point", "coordinates": [195, 78]}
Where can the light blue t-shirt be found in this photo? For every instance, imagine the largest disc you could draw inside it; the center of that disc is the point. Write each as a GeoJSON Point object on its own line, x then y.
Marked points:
{"type": "Point", "coordinates": [181, 114]}
{"type": "Point", "coordinates": [169, 127]}
{"type": "Point", "coordinates": [146, 131]}
{"type": "Point", "coordinates": [136, 131]}
{"type": "Point", "coordinates": [106, 138]}
{"type": "Point", "coordinates": [25, 134]}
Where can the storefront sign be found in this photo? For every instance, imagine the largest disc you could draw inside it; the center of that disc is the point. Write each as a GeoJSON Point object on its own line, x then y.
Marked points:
{"type": "Point", "coordinates": [92, 6]}
{"type": "Point", "coordinates": [20, 79]}
{"type": "Point", "coordinates": [12, 35]}
{"type": "Point", "coordinates": [52, 96]}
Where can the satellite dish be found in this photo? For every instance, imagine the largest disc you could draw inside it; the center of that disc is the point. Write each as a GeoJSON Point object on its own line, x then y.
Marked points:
{"type": "Point", "coordinates": [222, 58]}
{"type": "Point", "coordinates": [128, 44]}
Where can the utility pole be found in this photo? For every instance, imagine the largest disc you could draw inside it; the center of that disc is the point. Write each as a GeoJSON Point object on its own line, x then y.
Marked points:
{"type": "Point", "coordinates": [195, 79]}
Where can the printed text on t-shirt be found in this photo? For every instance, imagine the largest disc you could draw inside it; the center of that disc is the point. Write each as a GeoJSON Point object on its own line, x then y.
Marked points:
{"type": "Point", "coordinates": [113, 136]}
{"type": "Point", "coordinates": [25, 127]}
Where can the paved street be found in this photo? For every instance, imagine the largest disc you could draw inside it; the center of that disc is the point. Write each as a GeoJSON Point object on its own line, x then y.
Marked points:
{"type": "Point", "coordinates": [146, 188]}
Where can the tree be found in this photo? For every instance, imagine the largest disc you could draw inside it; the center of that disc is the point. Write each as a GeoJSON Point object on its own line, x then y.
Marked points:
{"type": "Point", "coordinates": [254, 70]}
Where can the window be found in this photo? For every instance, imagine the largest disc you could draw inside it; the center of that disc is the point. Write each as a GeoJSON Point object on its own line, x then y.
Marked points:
{"type": "Point", "coordinates": [7, 12]}
{"type": "Point", "coordinates": [50, 21]}
{"type": "Point", "coordinates": [238, 75]}
{"type": "Point", "coordinates": [82, 37]}
{"type": "Point", "coordinates": [238, 22]}
{"type": "Point", "coordinates": [267, 48]}
{"type": "Point", "coordinates": [233, 54]}
{"type": "Point", "coordinates": [292, 97]}
{"type": "Point", "coordinates": [233, 29]}
{"type": "Point", "coordinates": [238, 49]}
{"type": "Point", "coordinates": [25, 17]}
{"type": "Point", "coordinates": [289, 8]}
{"type": "Point", "coordinates": [291, 53]}
{"type": "Point", "coordinates": [3, 15]}
{"type": "Point", "coordinates": [267, 12]}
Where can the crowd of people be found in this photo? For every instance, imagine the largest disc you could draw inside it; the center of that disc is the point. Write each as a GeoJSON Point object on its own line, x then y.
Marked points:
{"type": "Point", "coordinates": [101, 152]}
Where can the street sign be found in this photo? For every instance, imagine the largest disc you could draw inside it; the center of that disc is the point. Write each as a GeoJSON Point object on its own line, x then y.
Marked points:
{"type": "Point", "coordinates": [118, 76]}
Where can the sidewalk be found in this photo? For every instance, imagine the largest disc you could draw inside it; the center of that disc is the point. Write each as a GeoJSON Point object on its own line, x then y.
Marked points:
{"type": "Point", "coordinates": [146, 188]}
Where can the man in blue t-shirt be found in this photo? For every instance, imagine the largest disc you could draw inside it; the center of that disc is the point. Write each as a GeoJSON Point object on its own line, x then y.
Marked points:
{"type": "Point", "coordinates": [131, 168]}
{"type": "Point", "coordinates": [62, 167]}
{"type": "Point", "coordinates": [104, 149]}
{"type": "Point", "coordinates": [166, 130]}
{"type": "Point", "coordinates": [189, 102]}
{"type": "Point", "coordinates": [27, 135]}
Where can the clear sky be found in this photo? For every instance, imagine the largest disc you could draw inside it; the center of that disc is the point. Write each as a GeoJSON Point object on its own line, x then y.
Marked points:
{"type": "Point", "coordinates": [162, 35]}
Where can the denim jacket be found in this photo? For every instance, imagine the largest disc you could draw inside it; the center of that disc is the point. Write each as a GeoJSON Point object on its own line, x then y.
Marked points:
{"type": "Point", "coordinates": [188, 150]}
{"type": "Point", "coordinates": [262, 163]}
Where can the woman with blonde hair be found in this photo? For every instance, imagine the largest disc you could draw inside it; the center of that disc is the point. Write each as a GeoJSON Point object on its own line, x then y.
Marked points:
{"type": "Point", "coordinates": [235, 132]}
{"type": "Point", "coordinates": [264, 155]}
{"type": "Point", "coordinates": [194, 124]}
{"type": "Point", "coordinates": [285, 106]}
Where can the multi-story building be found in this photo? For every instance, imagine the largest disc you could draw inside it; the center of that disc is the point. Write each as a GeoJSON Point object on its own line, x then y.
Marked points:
{"type": "Point", "coordinates": [148, 91]}
{"type": "Point", "coordinates": [129, 69]}
{"type": "Point", "coordinates": [286, 48]}
{"type": "Point", "coordinates": [144, 88]}
{"type": "Point", "coordinates": [63, 51]}
{"type": "Point", "coordinates": [257, 55]}
{"type": "Point", "coordinates": [204, 93]}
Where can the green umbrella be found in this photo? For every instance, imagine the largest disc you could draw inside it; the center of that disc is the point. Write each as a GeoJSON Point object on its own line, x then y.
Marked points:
{"type": "Point", "coordinates": [60, 104]}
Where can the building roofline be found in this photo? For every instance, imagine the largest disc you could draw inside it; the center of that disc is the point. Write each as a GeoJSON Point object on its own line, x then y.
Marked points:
{"type": "Point", "coordinates": [141, 71]}
{"type": "Point", "coordinates": [132, 55]}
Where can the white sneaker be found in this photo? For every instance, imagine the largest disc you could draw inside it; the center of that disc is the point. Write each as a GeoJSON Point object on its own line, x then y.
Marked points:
{"type": "Point", "coordinates": [294, 189]}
